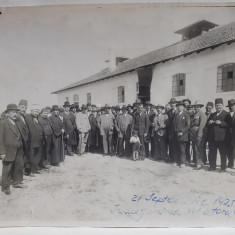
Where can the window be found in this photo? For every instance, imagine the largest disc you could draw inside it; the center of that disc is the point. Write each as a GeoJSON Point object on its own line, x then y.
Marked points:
{"type": "Point", "coordinates": [137, 87]}
{"type": "Point", "coordinates": [226, 78]}
{"type": "Point", "coordinates": [121, 94]}
{"type": "Point", "coordinates": [178, 84]}
{"type": "Point", "coordinates": [76, 98]}
{"type": "Point", "coordinates": [89, 98]}
{"type": "Point", "coordinates": [67, 99]}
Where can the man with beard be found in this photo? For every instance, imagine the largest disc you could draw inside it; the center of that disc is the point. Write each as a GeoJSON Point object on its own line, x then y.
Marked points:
{"type": "Point", "coordinates": [11, 150]}
{"type": "Point", "coordinates": [57, 153]}
{"type": "Point", "coordinates": [24, 130]}
{"type": "Point", "coordinates": [35, 139]}
{"type": "Point", "coordinates": [47, 134]}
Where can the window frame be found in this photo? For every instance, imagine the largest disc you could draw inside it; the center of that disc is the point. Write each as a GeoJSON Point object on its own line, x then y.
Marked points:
{"type": "Point", "coordinates": [177, 88]}
{"type": "Point", "coordinates": [121, 94]}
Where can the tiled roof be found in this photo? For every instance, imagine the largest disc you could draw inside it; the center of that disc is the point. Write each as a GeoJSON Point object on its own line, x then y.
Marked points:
{"type": "Point", "coordinates": [212, 38]}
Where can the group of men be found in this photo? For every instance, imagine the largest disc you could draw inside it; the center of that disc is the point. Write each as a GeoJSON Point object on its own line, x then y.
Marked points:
{"type": "Point", "coordinates": [173, 133]}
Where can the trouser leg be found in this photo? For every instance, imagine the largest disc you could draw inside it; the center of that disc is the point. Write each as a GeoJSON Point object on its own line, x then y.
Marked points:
{"type": "Point", "coordinates": [157, 147]}
{"type": "Point", "coordinates": [230, 151]}
{"type": "Point", "coordinates": [105, 143]}
{"type": "Point", "coordinates": [18, 168]}
{"type": "Point", "coordinates": [142, 148]}
{"type": "Point", "coordinates": [222, 146]}
{"type": "Point", "coordinates": [162, 144]}
{"type": "Point", "coordinates": [120, 146]}
{"type": "Point", "coordinates": [36, 157]}
{"type": "Point", "coordinates": [182, 147]}
{"type": "Point", "coordinates": [110, 144]}
{"type": "Point", "coordinates": [213, 154]}
{"type": "Point", "coordinates": [187, 151]}
{"type": "Point", "coordinates": [6, 174]}
{"type": "Point", "coordinates": [152, 146]}
{"type": "Point", "coordinates": [127, 145]}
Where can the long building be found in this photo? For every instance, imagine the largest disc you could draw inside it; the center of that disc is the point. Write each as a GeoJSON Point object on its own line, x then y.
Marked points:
{"type": "Point", "coordinates": [200, 66]}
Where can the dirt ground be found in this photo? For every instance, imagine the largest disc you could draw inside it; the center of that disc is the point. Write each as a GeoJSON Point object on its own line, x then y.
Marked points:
{"type": "Point", "coordinates": [97, 190]}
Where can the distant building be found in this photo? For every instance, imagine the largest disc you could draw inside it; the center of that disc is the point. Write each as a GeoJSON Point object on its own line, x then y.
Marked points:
{"type": "Point", "coordinates": [200, 66]}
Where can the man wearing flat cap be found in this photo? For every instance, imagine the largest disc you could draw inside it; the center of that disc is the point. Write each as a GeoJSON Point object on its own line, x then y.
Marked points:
{"type": "Point", "coordinates": [196, 133]}
{"type": "Point", "coordinates": [124, 127]}
{"type": "Point", "coordinates": [218, 135]}
{"type": "Point", "coordinates": [36, 140]}
{"type": "Point", "coordinates": [11, 150]}
{"type": "Point", "coordinates": [181, 127]}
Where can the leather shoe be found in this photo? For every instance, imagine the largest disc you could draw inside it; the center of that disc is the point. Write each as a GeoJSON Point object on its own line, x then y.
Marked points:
{"type": "Point", "coordinates": [17, 186]}
{"type": "Point", "coordinates": [7, 191]}
{"type": "Point", "coordinates": [211, 169]}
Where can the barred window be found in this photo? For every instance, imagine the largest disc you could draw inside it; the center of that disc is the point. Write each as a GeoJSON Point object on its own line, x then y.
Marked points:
{"type": "Point", "coordinates": [75, 98]}
{"type": "Point", "coordinates": [178, 84]}
{"type": "Point", "coordinates": [121, 94]}
{"type": "Point", "coordinates": [88, 98]}
{"type": "Point", "coordinates": [226, 78]}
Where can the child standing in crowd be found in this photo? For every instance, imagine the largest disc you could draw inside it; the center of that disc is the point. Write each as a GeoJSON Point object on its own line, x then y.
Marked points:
{"type": "Point", "coordinates": [135, 141]}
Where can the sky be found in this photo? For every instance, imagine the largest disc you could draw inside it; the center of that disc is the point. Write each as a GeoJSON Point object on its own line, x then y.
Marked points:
{"type": "Point", "coordinates": [45, 48]}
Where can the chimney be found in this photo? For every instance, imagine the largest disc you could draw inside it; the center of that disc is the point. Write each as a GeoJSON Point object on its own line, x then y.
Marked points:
{"type": "Point", "coordinates": [112, 60]}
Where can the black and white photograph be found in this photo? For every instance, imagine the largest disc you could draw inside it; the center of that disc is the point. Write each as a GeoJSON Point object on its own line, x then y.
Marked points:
{"type": "Point", "coordinates": [117, 115]}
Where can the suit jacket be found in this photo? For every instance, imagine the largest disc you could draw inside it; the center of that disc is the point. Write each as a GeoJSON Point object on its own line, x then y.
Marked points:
{"type": "Point", "coordinates": [198, 123]}
{"type": "Point", "coordinates": [171, 117]}
{"type": "Point", "coordinates": [10, 139]}
{"type": "Point", "coordinates": [56, 124]}
{"type": "Point", "coordinates": [161, 122]}
{"type": "Point", "coordinates": [125, 124]}
{"type": "Point", "coordinates": [106, 124]}
{"type": "Point", "coordinates": [45, 125]}
{"type": "Point", "coordinates": [141, 123]}
{"type": "Point", "coordinates": [182, 124]}
{"type": "Point", "coordinates": [35, 132]}
{"type": "Point", "coordinates": [24, 130]}
{"type": "Point", "coordinates": [233, 130]}
{"type": "Point", "coordinates": [219, 132]}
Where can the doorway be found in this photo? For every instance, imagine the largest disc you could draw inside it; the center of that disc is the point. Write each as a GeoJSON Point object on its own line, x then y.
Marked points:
{"type": "Point", "coordinates": [145, 79]}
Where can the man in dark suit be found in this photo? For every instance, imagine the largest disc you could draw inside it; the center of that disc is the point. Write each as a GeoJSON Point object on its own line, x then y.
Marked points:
{"type": "Point", "coordinates": [181, 127]}
{"type": "Point", "coordinates": [218, 135]}
{"type": "Point", "coordinates": [47, 134]}
{"type": "Point", "coordinates": [172, 142]}
{"type": "Point", "coordinates": [141, 124]}
{"type": "Point", "coordinates": [57, 152]}
{"type": "Point", "coordinates": [231, 147]}
{"type": "Point", "coordinates": [11, 150]}
{"type": "Point", "coordinates": [24, 130]}
{"type": "Point", "coordinates": [124, 127]}
{"type": "Point", "coordinates": [35, 139]}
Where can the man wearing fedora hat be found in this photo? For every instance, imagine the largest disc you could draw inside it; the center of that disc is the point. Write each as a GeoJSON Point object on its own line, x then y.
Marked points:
{"type": "Point", "coordinates": [83, 126]}
{"type": "Point", "coordinates": [196, 132]}
{"type": "Point", "coordinates": [71, 141]}
{"type": "Point", "coordinates": [57, 152]}
{"type": "Point", "coordinates": [36, 140]}
{"type": "Point", "coordinates": [181, 127]}
{"type": "Point", "coordinates": [23, 104]}
{"type": "Point", "coordinates": [141, 124]}
{"type": "Point", "coordinates": [106, 130]}
{"type": "Point", "coordinates": [209, 108]}
{"type": "Point", "coordinates": [161, 123]}
{"type": "Point", "coordinates": [171, 115]}
{"type": "Point", "coordinates": [124, 127]}
{"type": "Point", "coordinates": [11, 150]}
{"type": "Point", "coordinates": [231, 148]}
{"type": "Point", "coordinates": [218, 135]}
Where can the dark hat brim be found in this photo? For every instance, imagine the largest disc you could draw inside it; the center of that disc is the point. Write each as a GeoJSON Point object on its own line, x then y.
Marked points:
{"type": "Point", "coordinates": [159, 106]}
{"type": "Point", "coordinates": [13, 109]}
